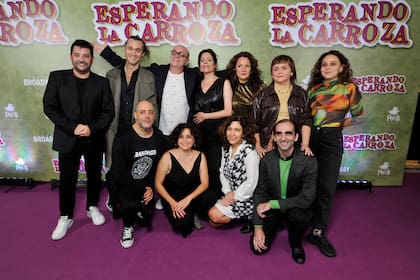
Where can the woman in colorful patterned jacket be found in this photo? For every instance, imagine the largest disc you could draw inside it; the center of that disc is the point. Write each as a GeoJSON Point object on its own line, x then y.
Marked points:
{"type": "Point", "coordinates": [335, 103]}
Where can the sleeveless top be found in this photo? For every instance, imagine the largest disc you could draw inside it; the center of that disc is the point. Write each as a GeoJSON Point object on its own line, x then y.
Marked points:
{"type": "Point", "coordinates": [211, 101]}
{"type": "Point", "coordinates": [178, 183]}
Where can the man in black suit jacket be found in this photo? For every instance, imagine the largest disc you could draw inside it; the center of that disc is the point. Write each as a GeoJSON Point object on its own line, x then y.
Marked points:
{"type": "Point", "coordinates": [167, 78]}
{"type": "Point", "coordinates": [285, 191]}
{"type": "Point", "coordinates": [79, 103]}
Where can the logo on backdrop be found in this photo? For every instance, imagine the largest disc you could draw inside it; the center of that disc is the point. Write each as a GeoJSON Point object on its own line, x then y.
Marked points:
{"type": "Point", "coordinates": [2, 142]}
{"type": "Point", "coordinates": [20, 165]}
{"type": "Point", "coordinates": [82, 169]}
{"type": "Point", "coordinates": [25, 22]}
{"type": "Point", "coordinates": [393, 115]}
{"type": "Point", "coordinates": [384, 169]}
{"type": "Point", "coordinates": [373, 142]}
{"type": "Point", "coordinates": [330, 23]}
{"type": "Point", "coordinates": [157, 22]}
{"type": "Point", "coordinates": [395, 83]}
{"type": "Point", "coordinates": [10, 112]}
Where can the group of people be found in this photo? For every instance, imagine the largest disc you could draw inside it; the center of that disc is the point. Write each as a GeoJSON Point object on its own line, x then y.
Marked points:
{"type": "Point", "coordinates": [215, 144]}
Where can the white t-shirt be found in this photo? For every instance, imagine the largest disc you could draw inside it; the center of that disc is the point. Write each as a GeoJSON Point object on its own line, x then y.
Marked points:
{"type": "Point", "coordinates": [174, 108]}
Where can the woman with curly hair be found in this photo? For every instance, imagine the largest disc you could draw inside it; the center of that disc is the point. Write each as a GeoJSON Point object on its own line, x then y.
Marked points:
{"type": "Point", "coordinates": [245, 78]}
{"type": "Point", "coordinates": [238, 175]}
{"type": "Point", "coordinates": [182, 180]}
{"type": "Point", "coordinates": [333, 95]}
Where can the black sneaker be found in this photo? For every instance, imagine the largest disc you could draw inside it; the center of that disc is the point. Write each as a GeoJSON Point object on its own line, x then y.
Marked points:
{"type": "Point", "coordinates": [318, 238]}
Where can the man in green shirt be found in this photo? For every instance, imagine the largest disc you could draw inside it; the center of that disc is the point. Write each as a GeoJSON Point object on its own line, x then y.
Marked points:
{"type": "Point", "coordinates": [284, 193]}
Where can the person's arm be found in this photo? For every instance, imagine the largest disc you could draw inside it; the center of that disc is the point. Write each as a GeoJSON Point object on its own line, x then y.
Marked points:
{"type": "Point", "coordinates": [163, 168]}
{"type": "Point", "coordinates": [260, 194]}
{"type": "Point", "coordinates": [224, 182]}
{"type": "Point", "coordinates": [356, 107]}
{"type": "Point", "coordinates": [304, 146]}
{"type": "Point", "coordinates": [106, 116]}
{"type": "Point", "coordinates": [108, 54]}
{"type": "Point", "coordinates": [246, 189]}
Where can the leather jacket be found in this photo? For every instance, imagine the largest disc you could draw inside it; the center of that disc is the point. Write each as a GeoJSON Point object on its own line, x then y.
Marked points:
{"type": "Point", "coordinates": [266, 106]}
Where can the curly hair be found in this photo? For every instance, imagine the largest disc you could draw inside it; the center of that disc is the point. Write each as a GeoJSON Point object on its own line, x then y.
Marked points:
{"type": "Point", "coordinates": [176, 133]}
{"type": "Point", "coordinates": [255, 82]}
{"type": "Point", "coordinates": [346, 76]}
{"type": "Point", "coordinates": [247, 133]}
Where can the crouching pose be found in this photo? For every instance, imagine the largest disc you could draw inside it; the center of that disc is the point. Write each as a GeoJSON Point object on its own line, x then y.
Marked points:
{"type": "Point", "coordinates": [135, 154]}
{"type": "Point", "coordinates": [285, 192]}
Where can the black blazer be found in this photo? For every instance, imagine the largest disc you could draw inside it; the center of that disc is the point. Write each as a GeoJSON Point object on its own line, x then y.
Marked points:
{"type": "Point", "coordinates": [301, 185]}
{"type": "Point", "coordinates": [192, 78]}
{"type": "Point", "coordinates": [62, 107]}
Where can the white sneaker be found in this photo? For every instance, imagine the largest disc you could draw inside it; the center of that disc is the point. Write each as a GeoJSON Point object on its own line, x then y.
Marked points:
{"type": "Point", "coordinates": [64, 223]}
{"type": "Point", "coordinates": [96, 216]}
{"type": "Point", "coordinates": [197, 223]}
{"type": "Point", "coordinates": [127, 237]}
{"type": "Point", "coordinates": [158, 204]}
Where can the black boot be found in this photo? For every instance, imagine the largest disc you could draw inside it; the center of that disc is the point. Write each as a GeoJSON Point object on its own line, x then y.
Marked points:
{"type": "Point", "coordinates": [247, 227]}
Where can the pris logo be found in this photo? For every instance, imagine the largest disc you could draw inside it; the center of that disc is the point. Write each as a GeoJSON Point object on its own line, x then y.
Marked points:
{"type": "Point", "coordinates": [393, 115]}
{"type": "Point", "coordinates": [10, 112]}
{"type": "Point", "coordinates": [384, 169]}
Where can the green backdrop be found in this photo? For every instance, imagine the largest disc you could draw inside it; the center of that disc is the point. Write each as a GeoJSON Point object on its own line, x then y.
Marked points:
{"type": "Point", "coordinates": [379, 38]}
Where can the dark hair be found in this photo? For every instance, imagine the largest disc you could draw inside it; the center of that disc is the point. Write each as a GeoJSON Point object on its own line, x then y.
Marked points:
{"type": "Point", "coordinates": [211, 52]}
{"type": "Point", "coordinates": [82, 44]}
{"type": "Point", "coordinates": [346, 76]}
{"type": "Point", "coordinates": [287, 59]}
{"type": "Point", "coordinates": [176, 133]}
{"type": "Point", "coordinates": [246, 130]}
{"type": "Point", "coordinates": [295, 127]}
{"type": "Point", "coordinates": [255, 82]}
{"type": "Point", "coordinates": [137, 38]}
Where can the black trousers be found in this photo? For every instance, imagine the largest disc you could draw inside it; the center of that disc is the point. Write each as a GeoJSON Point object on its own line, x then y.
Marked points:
{"type": "Point", "coordinates": [200, 206]}
{"type": "Point", "coordinates": [69, 167]}
{"type": "Point", "coordinates": [327, 145]}
{"type": "Point", "coordinates": [297, 221]}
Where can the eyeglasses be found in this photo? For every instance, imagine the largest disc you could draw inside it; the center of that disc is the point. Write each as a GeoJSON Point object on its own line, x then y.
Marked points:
{"type": "Point", "coordinates": [179, 54]}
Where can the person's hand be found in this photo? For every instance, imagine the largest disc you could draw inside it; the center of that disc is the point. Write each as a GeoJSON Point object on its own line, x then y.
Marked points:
{"type": "Point", "coordinates": [98, 47]}
{"type": "Point", "coordinates": [259, 240]}
{"type": "Point", "coordinates": [262, 208]}
{"type": "Point", "coordinates": [305, 148]}
{"type": "Point", "coordinates": [178, 209]}
{"type": "Point", "coordinates": [199, 117]}
{"type": "Point", "coordinates": [260, 151]}
{"type": "Point", "coordinates": [228, 199]}
{"type": "Point", "coordinates": [82, 130]}
{"type": "Point", "coordinates": [148, 195]}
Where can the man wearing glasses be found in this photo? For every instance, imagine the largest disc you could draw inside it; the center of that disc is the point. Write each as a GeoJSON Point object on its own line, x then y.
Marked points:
{"type": "Point", "coordinates": [284, 193]}
{"type": "Point", "coordinates": [175, 84]}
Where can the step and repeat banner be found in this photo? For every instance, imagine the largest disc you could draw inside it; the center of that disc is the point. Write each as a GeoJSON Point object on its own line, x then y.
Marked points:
{"type": "Point", "coordinates": [380, 38]}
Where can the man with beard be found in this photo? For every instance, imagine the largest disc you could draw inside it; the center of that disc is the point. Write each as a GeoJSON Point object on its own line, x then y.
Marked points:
{"type": "Point", "coordinates": [135, 154]}
{"type": "Point", "coordinates": [284, 193]}
{"type": "Point", "coordinates": [130, 83]}
{"type": "Point", "coordinates": [79, 103]}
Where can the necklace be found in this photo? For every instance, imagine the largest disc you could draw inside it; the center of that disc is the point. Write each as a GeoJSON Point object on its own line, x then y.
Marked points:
{"type": "Point", "coordinates": [283, 90]}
